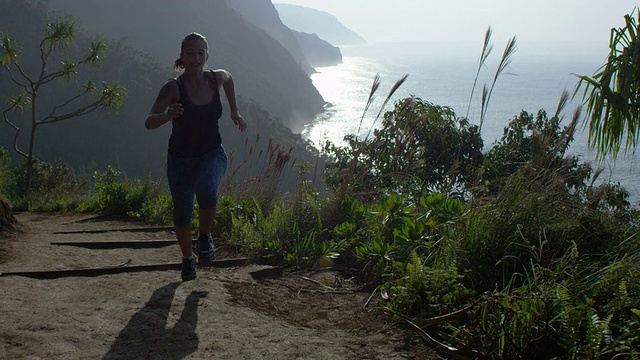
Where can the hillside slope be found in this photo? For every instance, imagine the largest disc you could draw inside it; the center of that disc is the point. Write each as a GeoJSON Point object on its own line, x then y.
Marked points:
{"type": "Point", "coordinates": [313, 21]}
{"type": "Point", "coordinates": [99, 139]}
{"type": "Point", "coordinates": [263, 69]}
{"type": "Point", "coordinates": [308, 51]}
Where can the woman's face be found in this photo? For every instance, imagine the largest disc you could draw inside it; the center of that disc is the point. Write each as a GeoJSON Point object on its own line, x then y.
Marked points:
{"type": "Point", "coordinates": [194, 54]}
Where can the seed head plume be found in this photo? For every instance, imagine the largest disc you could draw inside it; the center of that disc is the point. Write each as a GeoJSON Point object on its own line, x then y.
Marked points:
{"type": "Point", "coordinates": [564, 99]}
{"type": "Point", "coordinates": [509, 50]}
{"type": "Point", "coordinates": [394, 88]}
{"type": "Point", "coordinates": [486, 50]}
{"type": "Point", "coordinates": [374, 89]}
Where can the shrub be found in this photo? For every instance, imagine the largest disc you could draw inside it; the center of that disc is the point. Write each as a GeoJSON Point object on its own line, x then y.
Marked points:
{"type": "Point", "coordinates": [115, 194]}
{"type": "Point", "coordinates": [419, 147]}
{"type": "Point", "coordinates": [527, 139]}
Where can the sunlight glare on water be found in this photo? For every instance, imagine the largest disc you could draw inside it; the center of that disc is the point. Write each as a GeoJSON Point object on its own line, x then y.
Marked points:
{"type": "Point", "coordinates": [335, 83]}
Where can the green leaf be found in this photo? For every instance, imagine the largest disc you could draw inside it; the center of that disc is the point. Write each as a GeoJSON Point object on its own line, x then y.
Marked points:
{"type": "Point", "coordinates": [10, 50]}
{"type": "Point", "coordinates": [113, 95]}
{"type": "Point", "coordinates": [59, 33]}
{"type": "Point", "coordinates": [19, 102]}
{"type": "Point", "coordinates": [89, 86]}
{"type": "Point", "coordinates": [612, 95]}
{"type": "Point", "coordinates": [68, 68]}
{"type": "Point", "coordinates": [96, 50]}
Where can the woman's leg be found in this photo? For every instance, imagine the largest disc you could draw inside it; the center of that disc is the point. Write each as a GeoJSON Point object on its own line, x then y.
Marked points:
{"type": "Point", "coordinates": [206, 251]}
{"type": "Point", "coordinates": [180, 173]}
{"type": "Point", "coordinates": [183, 234]}
{"type": "Point", "coordinates": [207, 218]}
{"type": "Point", "coordinates": [213, 169]}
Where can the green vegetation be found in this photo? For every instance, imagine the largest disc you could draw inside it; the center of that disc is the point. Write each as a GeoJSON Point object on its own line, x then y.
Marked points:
{"type": "Point", "coordinates": [530, 260]}
{"type": "Point", "coordinates": [611, 95]}
{"type": "Point", "coordinates": [515, 252]}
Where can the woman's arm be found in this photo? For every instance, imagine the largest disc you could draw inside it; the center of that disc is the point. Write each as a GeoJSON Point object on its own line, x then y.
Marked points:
{"type": "Point", "coordinates": [230, 91]}
{"type": "Point", "coordinates": [166, 107]}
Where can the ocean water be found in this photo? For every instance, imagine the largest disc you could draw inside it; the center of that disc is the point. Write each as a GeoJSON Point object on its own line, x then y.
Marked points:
{"type": "Point", "coordinates": [444, 74]}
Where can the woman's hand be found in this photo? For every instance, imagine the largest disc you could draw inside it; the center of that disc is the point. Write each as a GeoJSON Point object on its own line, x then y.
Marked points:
{"type": "Point", "coordinates": [166, 107]}
{"type": "Point", "coordinates": [238, 121]}
{"type": "Point", "coordinates": [174, 111]}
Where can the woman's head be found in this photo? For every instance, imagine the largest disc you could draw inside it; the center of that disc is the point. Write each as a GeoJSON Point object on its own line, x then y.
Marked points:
{"type": "Point", "coordinates": [193, 46]}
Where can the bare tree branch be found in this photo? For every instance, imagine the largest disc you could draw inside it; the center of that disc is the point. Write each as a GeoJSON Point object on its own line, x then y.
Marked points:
{"type": "Point", "coordinates": [17, 129]}
{"type": "Point", "coordinates": [50, 119]}
{"type": "Point", "coordinates": [13, 78]}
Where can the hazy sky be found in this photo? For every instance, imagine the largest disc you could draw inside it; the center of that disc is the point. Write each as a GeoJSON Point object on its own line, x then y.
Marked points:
{"type": "Point", "coordinates": [460, 20]}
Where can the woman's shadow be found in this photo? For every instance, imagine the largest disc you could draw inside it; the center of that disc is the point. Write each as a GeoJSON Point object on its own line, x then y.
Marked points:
{"type": "Point", "coordinates": [146, 335]}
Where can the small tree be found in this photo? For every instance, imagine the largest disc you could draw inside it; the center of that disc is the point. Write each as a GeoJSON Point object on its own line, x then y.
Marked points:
{"type": "Point", "coordinates": [420, 147]}
{"type": "Point", "coordinates": [58, 35]}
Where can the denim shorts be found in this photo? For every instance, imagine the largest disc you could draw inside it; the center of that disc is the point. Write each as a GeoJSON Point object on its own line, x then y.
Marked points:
{"type": "Point", "coordinates": [195, 176]}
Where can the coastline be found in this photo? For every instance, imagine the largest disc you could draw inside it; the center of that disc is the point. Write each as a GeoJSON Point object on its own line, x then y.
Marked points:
{"type": "Point", "coordinates": [538, 75]}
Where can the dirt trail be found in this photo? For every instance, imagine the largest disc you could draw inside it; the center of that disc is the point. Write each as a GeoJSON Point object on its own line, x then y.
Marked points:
{"type": "Point", "coordinates": [224, 314]}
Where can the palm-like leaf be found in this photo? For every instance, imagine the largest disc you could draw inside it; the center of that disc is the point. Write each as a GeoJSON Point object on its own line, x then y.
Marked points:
{"type": "Point", "coordinates": [96, 49]}
{"type": "Point", "coordinates": [612, 95]}
{"type": "Point", "coordinates": [9, 50]}
{"type": "Point", "coordinates": [113, 95]}
{"type": "Point", "coordinates": [59, 33]}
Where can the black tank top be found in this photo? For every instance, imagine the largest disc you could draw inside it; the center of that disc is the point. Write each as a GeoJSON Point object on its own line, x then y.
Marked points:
{"type": "Point", "coordinates": [196, 132]}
